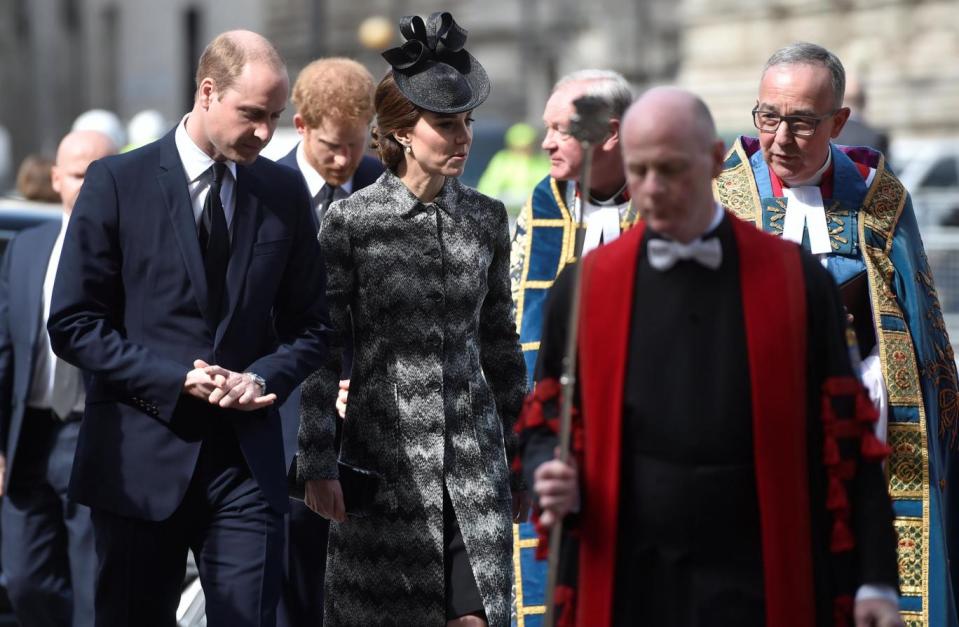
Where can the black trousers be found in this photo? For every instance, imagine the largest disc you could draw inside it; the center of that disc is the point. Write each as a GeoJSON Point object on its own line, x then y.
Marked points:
{"type": "Point", "coordinates": [47, 542]}
{"type": "Point", "coordinates": [462, 595]}
{"type": "Point", "coordinates": [236, 537]}
{"type": "Point", "coordinates": [301, 603]}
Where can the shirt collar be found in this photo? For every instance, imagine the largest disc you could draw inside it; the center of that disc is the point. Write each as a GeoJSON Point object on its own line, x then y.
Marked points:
{"type": "Point", "coordinates": [407, 203]}
{"type": "Point", "coordinates": [195, 161]}
{"type": "Point", "coordinates": [718, 214]}
{"type": "Point", "coordinates": [816, 178]}
{"type": "Point", "coordinates": [315, 182]}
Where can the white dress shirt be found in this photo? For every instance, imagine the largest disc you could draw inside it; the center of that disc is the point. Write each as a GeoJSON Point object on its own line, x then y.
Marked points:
{"type": "Point", "coordinates": [46, 363]}
{"type": "Point", "coordinates": [199, 176]}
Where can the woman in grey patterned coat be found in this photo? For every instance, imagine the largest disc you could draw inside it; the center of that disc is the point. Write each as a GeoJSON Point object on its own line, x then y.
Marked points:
{"type": "Point", "coordinates": [417, 267]}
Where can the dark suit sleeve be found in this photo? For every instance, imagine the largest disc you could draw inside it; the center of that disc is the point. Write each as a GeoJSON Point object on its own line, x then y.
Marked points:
{"type": "Point", "coordinates": [872, 513]}
{"type": "Point", "coordinates": [86, 312]}
{"type": "Point", "coordinates": [300, 313]}
{"type": "Point", "coordinates": [6, 348]}
{"type": "Point", "coordinates": [500, 353]}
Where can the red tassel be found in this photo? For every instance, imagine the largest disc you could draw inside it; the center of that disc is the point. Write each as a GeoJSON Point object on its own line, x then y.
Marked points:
{"type": "Point", "coordinates": [865, 410]}
{"type": "Point", "coordinates": [842, 607]}
{"type": "Point", "coordinates": [841, 386]}
{"type": "Point", "coordinates": [547, 389]}
{"type": "Point", "coordinates": [532, 414]}
{"type": "Point", "coordinates": [830, 452]}
{"type": "Point", "coordinates": [842, 538]}
{"type": "Point", "coordinates": [872, 449]}
{"type": "Point", "coordinates": [846, 429]}
{"type": "Point", "coordinates": [542, 534]}
{"type": "Point", "coordinates": [836, 499]}
{"type": "Point", "coordinates": [846, 470]}
{"type": "Point", "coordinates": [828, 413]}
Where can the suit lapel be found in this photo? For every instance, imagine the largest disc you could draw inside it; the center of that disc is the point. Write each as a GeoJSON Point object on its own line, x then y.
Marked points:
{"type": "Point", "coordinates": [241, 247]}
{"type": "Point", "coordinates": [172, 180]}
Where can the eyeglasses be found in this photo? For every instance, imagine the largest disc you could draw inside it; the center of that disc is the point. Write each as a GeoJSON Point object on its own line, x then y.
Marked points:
{"type": "Point", "coordinates": [798, 125]}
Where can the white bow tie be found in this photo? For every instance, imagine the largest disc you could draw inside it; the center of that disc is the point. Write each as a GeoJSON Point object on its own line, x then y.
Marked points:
{"type": "Point", "coordinates": [663, 254]}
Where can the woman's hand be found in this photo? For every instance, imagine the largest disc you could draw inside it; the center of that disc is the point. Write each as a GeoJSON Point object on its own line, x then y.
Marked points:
{"type": "Point", "coordinates": [325, 497]}
{"type": "Point", "coordinates": [341, 397]}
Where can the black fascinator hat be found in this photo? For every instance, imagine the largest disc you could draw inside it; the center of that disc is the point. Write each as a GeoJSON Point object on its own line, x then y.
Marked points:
{"type": "Point", "coordinates": [433, 70]}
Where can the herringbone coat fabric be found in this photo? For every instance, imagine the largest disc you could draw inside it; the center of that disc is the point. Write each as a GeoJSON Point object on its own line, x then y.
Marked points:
{"type": "Point", "coordinates": [437, 382]}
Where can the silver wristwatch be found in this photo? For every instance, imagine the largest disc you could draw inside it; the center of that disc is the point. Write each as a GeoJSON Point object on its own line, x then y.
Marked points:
{"type": "Point", "coordinates": [260, 381]}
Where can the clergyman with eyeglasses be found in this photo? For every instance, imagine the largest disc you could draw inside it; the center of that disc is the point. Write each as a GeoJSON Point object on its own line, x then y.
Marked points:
{"type": "Point", "coordinates": [843, 204]}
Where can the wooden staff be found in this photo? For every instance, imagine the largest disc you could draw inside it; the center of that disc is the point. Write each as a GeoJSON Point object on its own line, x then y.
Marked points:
{"type": "Point", "coordinates": [589, 125]}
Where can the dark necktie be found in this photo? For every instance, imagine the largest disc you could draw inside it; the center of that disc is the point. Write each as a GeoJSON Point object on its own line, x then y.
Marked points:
{"type": "Point", "coordinates": [325, 197]}
{"type": "Point", "coordinates": [215, 244]}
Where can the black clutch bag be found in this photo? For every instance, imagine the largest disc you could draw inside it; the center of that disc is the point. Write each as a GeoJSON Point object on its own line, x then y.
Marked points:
{"type": "Point", "coordinates": [359, 487]}
{"type": "Point", "coordinates": [855, 298]}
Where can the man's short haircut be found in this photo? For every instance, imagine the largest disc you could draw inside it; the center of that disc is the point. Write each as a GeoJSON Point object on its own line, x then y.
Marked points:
{"type": "Point", "coordinates": [224, 58]}
{"type": "Point", "coordinates": [804, 53]}
{"type": "Point", "coordinates": [335, 88]}
{"type": "Point", "coordinates": [608, 85]}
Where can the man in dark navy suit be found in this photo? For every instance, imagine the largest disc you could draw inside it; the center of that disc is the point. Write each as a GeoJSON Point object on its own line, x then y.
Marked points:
{"type": "Point", "coordinates": [47, 542]}
{"type": "Point", "coordinates": [334, 108]}
{"type": "Point", "coordinates": [191, 290]}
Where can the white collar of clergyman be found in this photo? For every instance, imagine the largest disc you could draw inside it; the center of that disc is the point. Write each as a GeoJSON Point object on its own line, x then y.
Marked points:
{"type": "Point", "coordinates": [805, 213]}
{"type": "Point", "coordinates": [195, 162]}
{"type": "Point", "coordinates": [816, 178]}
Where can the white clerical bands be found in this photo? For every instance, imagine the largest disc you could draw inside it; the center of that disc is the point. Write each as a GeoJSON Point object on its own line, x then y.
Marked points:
{"type": "Point", "coordinates": [804, 211]}
{"type": "Point", "coordinates": [663, 254]}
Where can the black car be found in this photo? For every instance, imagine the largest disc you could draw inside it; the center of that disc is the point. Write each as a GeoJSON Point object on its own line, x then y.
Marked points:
{"type": "Point", "coordinates": [16, 215]}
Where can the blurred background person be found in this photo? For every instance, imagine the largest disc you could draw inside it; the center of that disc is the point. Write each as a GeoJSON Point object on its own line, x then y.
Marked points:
{"type": "Point", "coordinates": [515, 169]}
{"type": "Point", "coordinates": [106, 122]}
{"type": "Point", "coordinates": [47, 543]}
{"type": "Point", "coordinates": [144, 127]}
{"type": "Point", "coordinates": [856, 131]}
{"type": "Point", "coordinates": [35, 180]}
{"type": "Point", "coordinates": [545, 236]}
{"type": "Point", "coordinates": [334, 107]}
{"type": "Point", "coordinates": [418, 265]}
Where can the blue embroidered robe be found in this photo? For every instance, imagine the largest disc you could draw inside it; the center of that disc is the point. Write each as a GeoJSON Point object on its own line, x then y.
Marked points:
{"type": "Point", "coordinates": [874, 228]}
{"type": "Point", "coordinates": [544, 243]}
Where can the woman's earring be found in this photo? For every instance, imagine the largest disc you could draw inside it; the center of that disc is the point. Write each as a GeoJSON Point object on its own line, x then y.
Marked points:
{"type": "Point", "coordinates": [409, 149]}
